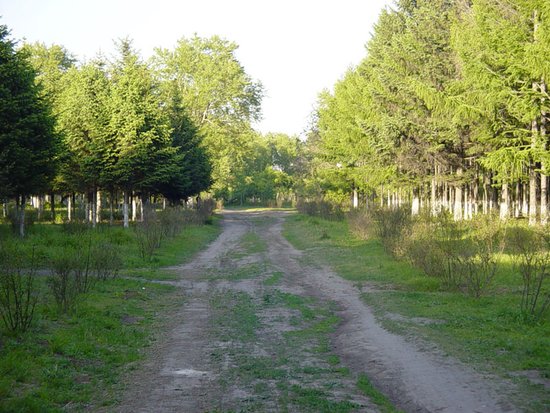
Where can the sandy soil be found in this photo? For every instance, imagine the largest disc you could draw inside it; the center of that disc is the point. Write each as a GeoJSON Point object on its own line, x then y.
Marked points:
{"type": "Point", "coordinates": [180, 376]}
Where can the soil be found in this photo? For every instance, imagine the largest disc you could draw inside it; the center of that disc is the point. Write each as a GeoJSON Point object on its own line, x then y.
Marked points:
{"type": "Point", "coordinates": [189, 368]}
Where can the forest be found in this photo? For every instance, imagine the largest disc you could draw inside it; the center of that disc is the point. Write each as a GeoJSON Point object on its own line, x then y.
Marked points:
{"type": "Point", "coordinates": [417, 196]}
{"type": "Point", "coordinates": [447, 111]}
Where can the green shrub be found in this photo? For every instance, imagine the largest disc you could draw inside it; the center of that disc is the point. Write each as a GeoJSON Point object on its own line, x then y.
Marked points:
{"type": "Point", "coordinates": [531, 254]}
{"type": "Point", "coordinates": [392, 226]}
{"type": "Point", "coordinates": [18, 292]}
{"type": "Point", "coordinates": [105, 260]}
{"type": "Point", "coordinates": [71, 275]}
{"type": "Point", "coordinates": [149, 234]}
{"type": "Point", "coordinates": [361, 224]}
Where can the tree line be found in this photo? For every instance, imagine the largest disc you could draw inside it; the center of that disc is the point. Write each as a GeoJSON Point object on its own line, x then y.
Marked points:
{"type": "Point", "coordinates": [120, 128]}
{"type": "Point", "coordinates": [448, 111]}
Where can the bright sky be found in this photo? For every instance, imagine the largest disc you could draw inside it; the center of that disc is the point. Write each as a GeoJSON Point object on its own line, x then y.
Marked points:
{"type": "Point", "coordinates": [296, 48]}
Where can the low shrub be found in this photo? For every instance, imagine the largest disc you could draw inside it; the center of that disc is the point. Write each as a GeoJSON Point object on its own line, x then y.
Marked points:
{"type": "Point", "coordinates": [531, 255]}
{"type": "Point", "coordinates": [361, 224]}
{"type": "Point", "coordinates": [105, 261]}
{"type": "Point", "coordinates": [18, 292]}
{"type": "Point", "coordinates": [392, 226]}
{"type": "Point", "coordinates": [149, 234]}
{"type": "Point", "coordinates": [71, 276]}
{"type": "Point", "coordinates": [322, 209]}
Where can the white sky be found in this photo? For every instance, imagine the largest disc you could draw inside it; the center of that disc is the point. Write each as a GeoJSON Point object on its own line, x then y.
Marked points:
{"type": "Point", "coordinates": [295, 48]}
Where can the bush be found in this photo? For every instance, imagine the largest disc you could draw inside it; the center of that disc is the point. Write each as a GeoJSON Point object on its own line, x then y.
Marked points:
{"type": "Point", "coordinates": [361, 224]}
{"type": "Point", "coordinates": [479, 265]}
{"type": "Point", "coordinates": [531, 248]}
{"type": "Point", "coordinates": [392, 226]}
{"type": "Point", "coordinates": [172, 221]}
{"type": "Point", "coordinates": [149, 234]}
{"type": "Point", "coordinates": [14, 219]}
{"type": "Point", "coordinates": [71, 276]}
{"type": "Point", "coordinates": [322, 209]}
{"type": "Point", "coordinates": [105, 261]}
{"type": "Point", "coordinates": [462, 254]}
{"type": "Point", "coordinates": [18, 293]}
{"type": "Point", "coordinates": [74, 227]}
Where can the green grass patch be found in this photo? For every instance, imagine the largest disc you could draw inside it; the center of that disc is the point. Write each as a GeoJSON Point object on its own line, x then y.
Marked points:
{"type": "Point", "coordinates": [252, 243]}
{"type": "Point", "coordinates": [274, 278]}
{"type": "Point", "coordinates": [77, 359]}
{"type": "Point", "coordinates": [375, 396]}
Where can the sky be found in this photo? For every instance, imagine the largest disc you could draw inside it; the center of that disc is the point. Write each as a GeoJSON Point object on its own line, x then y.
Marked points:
{"type": "Point", "coordinates": [295, 48]}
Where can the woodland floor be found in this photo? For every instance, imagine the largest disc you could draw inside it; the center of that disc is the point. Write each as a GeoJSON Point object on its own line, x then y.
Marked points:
{"type": "Point", "coordinates": [264, 328]}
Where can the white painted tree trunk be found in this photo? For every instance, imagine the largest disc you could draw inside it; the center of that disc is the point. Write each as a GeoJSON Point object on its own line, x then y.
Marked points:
{"type": "Point", "coordinates": [355, 200]}
{"type": "Point", "coordinates": [532, 196]}
{"type": "Point", "coordinates": [458, 212]}
{"type": "Point", "coordinates": [22, 216]}
{"type": "Point", "coordinates": [134, 207]}
{"type": "Point", "coordinates": [415, 205]}
{"type": "Point", "coordinates": [543, 199]}
{"type": "Point", "coordinates": [543, 176]}
{"type": "Point", "coordinates": [125, 209]}
{"type": "Point", "coordinates": [69, 208]}
{"type": "Point", "coordinates": [525, 201]}
{"type": "Point", "coordinates": [505, 202]}
{"type": "Point", "coordinates": [98, 206]}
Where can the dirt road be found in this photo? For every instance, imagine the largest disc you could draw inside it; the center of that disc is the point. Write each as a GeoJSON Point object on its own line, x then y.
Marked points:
{"type": "Point", "coordinates": [263, 329]}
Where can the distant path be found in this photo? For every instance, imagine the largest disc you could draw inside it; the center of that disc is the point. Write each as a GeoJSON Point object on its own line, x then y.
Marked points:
{"type": "Point", "coordinates": [180, 375]}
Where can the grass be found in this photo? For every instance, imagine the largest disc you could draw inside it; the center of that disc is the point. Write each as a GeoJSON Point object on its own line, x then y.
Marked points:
{"type": "Point", "coordinates": [75, 361]}
{"type": "Point", "coordinates": [376, 397]}
{"type": "Point", "coordinates": [267, 363]}
{"type": "Point", "coordinates": [488, 332]}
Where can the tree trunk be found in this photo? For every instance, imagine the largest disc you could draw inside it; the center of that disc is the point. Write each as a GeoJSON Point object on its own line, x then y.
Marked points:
{"type": "Point", "coordinates": [69, 207]}
{"type": "Point", "coordinates": [98, 206]}
{"type": "Point", "coordinates": [544, 167]}
{"type": "Point", "coordinates": [93, 207]}
{"type": "Point", "coordinates": [22, 216]}
{"type": "Point", "coordinates": [433, 194]}
{"type": "Point", "coordinates": [458, 208]}
{"type": "Point", "coordinates": [415, 206]}
{"type": "Point", "coordinates": [543, 199]}
{"type": "Point", "coordinates": [134, 207]}
{"type": "Point", "coordinates": [52, 207]}
{"type": "Point", "coordinates": [505, 202]}
{"type": "Point", "coordinates": [525, 202]}
{"type": "Point", "coordinates": [125, 209]}
{"type": "Point", "coordinates": [532, 195]}
{"type": "Point", "coordinates": [5, 208]}
{"type": "Point", "coordinates": [111, 208]}
{"type": "Point", "coordinates": [355, 199]}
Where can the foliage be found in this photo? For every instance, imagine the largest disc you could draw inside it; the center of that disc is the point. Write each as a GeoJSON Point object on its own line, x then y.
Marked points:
{"type": "Point", "coordinates": [149, 234]}
{"type": "Point", "coordinates": [391, 226]}
{"type": "Point", "coordinates": [208, 84]}
{"type": "Point", "coordinates": [71, 276]}
{"type": "Point", "coordinates": [323, 209]}
{"type": "Point", "coordinates": [531, 250]}
{"type": "Point", "coordinates": [18, 291]}
{"type": "Point", "coordinates": [27, 145]}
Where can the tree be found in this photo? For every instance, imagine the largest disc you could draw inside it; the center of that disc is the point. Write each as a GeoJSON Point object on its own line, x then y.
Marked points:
{"type": "Point", "coordinates": [51, 64]}
{"type": "Point", "coordinates": [27, 145]}
{"type": "Point", "coordinates": [219, 98]}
{"type": "Point", "coordinates": [89, 152]}
{"type": "Point", "coordinates": [140, 128]}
